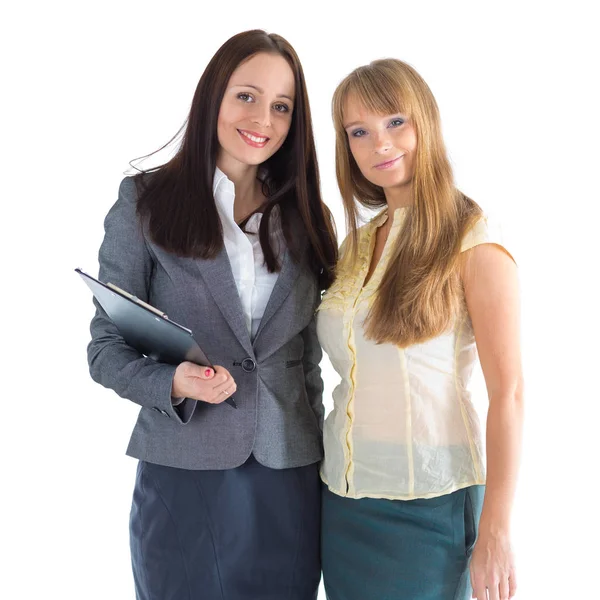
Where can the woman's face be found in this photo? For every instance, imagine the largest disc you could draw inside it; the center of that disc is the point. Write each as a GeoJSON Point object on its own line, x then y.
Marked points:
{"type": "Point", "coordinates": [256, 111]}
{"type": "Point", "coordinates": [383, 146]}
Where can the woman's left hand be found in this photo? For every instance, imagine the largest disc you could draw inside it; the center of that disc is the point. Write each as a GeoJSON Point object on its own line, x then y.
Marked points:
{"type": "Point", "coordinates": [493, 567]}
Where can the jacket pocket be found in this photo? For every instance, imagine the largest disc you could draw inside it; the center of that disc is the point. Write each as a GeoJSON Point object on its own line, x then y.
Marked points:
{"type": "Point", "coordinates": [292, 363]}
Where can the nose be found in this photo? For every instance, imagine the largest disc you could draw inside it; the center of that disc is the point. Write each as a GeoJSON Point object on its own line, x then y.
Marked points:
{"type": "Point", "coordinates": [262, 114]}
{"type": "Point", "coordinates": [381, 142]}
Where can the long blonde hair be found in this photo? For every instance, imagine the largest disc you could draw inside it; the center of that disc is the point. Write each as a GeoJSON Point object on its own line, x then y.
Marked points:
{"type": "Point", "coordinates": [420, 293]}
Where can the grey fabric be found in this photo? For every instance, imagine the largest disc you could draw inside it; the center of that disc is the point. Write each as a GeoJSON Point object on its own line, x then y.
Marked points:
{"type": "Point", "coordinates": [250, 533]}
{"type": "Point", "coordinates": [280, 412]}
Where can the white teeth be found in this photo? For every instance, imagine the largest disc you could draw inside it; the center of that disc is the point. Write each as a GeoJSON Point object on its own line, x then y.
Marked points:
{"type": "Point", "coordinates": [258, 140]}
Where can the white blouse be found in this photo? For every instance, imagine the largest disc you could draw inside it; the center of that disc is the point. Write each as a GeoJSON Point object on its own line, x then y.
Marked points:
{"type": "Point", "coordinates": [252, 279]}
{"type": "Point", "coordinates": [403, 425]}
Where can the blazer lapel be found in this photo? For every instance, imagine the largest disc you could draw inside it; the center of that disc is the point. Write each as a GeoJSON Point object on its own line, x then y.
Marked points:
{"type": "Point", "coordinates": [219, 279]}
{"type": "Point", "coordinates": [285, 282]}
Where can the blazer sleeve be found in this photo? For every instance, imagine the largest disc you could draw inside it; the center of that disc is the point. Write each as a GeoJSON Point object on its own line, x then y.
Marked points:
{"type": "Point", "coordinates": [312, 371]}
{"type": "Point", "coordinates": [126, 262]}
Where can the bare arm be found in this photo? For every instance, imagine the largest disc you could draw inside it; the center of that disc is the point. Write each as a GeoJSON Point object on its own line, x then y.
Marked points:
{"type": "Point", "coordinates": [492, 294]}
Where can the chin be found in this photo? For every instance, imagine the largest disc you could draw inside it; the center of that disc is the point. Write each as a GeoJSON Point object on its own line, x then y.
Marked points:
{"type": "Point", "coordinates": [256, 160]}
{"type": "Point", "coordinates": [391, 181]}
{"type": "Point", "coordinates": [251, 158]}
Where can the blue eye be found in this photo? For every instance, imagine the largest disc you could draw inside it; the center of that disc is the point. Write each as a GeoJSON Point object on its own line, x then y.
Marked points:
{"type": "Point", "coordinates": [396, 122]}
{"type": "Point", "coordinates": [244, 97]}
{"type": "Point", "coordinates": [358, 133]}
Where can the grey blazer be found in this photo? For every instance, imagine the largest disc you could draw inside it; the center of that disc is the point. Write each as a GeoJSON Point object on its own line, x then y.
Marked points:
{"type": "Point", "coordinates": [279, 388]}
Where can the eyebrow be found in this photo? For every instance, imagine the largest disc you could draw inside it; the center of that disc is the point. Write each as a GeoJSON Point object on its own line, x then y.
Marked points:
{"type": "Point", "coordinates": [261, 91]}
{"type": "Point", "coordinates": [395, 115]}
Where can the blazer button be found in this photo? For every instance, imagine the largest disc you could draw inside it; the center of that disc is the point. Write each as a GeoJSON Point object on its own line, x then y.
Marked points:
{"type": "Point", "coordinates": [248, 365]}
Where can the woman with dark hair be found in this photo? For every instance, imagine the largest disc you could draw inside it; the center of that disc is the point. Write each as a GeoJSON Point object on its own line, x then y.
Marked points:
{"type": "Point", "coordinates": [231, 238]}
{"type": "Point", "coordinates": [423, 290]}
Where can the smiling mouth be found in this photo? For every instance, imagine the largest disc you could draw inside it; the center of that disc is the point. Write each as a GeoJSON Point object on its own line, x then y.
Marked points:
{"type": "Point", "coordinates": [389, 163]}
{"type": "Point", "coordinates": [253, 139]}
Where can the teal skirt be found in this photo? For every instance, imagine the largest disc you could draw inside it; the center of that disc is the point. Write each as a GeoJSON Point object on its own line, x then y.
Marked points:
{"type": "Point", "coordinates": [376, 549]}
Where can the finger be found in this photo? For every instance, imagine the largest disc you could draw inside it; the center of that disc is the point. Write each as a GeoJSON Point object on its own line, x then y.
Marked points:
{"type": "Point", "coordinates": [206, 390]}
{"type": "Point", "coordinates": [478, 582]}
{"type": "Point", "coordinates": [227, 388]}
{"type": "Point", "coordinates": [203, 373]}
{"type": "Point", "coordinates": [229, 391]}
{"type": "Point", "coordinates": [208, 373]}
{"type": "Point", "coordinates": [503, 588]}
{"type": "Point", "coordinates": [222, 380]}
{"type": "Point", "coordinates": [221, 395]}
{"type": "Point", "coordinates": [221, 375]}
{"type": "Point", "coordinates": [512, 585]}
{"type": "Point", "coordinates": [198, 371]}
{"type": "Point", "coordinates": [493, 591]}
{"type": "Point", "coordinates": [479, 590]}
{"type": "Point", "coordinates": [218, 389]}
{"type": "Point", "coordinates": [217, 379]}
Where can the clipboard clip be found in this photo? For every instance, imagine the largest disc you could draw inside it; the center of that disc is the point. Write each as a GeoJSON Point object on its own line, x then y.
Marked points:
{"type": "Point", "coordinates": [135, 299]}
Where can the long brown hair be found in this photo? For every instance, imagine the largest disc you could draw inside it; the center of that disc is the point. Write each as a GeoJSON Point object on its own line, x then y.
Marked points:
{"type": "Point", "coordinates": [177, 198]}
{"type": "Point", "coordinates": [420, 293]}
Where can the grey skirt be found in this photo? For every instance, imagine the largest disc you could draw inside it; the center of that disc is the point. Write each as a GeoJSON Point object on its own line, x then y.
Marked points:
{"type": "Point", "coordinates": [239, 534]}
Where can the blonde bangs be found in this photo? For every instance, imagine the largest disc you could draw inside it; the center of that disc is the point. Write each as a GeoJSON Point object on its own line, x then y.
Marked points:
{"type": "Point", "coordinates": [374, 88]}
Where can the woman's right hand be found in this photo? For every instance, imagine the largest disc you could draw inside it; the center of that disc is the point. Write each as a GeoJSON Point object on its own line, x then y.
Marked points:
{"type": "Point", "coordinates": [203, 383]}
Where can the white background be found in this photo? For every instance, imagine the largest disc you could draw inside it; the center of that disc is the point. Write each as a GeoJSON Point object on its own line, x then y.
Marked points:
{"type": "Point", "coordinates": [89, 86]}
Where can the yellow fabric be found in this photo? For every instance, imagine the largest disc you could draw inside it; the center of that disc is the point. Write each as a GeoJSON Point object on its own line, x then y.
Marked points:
{"type": "Point", "coordinates": [403, 425]}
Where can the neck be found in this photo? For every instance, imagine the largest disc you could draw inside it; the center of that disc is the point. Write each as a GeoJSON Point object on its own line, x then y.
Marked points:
{"type": "Point", "coordinates": [398, 197]}
{"type": "Point", "coordinates": [248, 196]}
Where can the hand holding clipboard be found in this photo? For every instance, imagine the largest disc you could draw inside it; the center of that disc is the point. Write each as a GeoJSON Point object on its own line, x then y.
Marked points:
{"type": "Point", "coordinates": [149, 330]}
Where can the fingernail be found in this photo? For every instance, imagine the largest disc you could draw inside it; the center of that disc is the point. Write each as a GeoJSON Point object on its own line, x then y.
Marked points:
{"type": "Point", "coordinates": [208, 372]}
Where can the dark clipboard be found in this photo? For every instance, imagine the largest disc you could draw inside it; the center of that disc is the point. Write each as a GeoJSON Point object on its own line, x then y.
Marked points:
{"type": "Point", "coordinates": [146, 328]}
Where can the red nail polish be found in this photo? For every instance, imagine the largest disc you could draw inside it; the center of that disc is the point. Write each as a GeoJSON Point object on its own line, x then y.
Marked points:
{"type": "Point", "coordinates": [208, 372]}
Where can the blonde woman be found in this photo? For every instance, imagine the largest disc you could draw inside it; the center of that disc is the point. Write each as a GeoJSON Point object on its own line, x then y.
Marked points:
{"type": "Point", "coordinates": [423, 291]}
